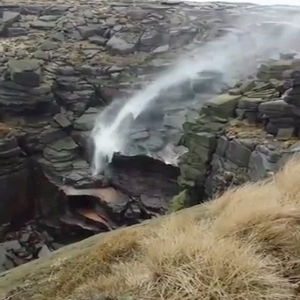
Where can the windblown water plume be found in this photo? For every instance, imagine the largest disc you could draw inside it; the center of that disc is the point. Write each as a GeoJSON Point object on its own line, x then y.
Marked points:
{"type": "Point", "coordinates": [234, 55]}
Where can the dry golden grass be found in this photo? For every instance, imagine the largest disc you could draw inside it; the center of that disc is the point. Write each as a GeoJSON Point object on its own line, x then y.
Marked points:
{"type": "Point", "coordinates": [5, 128]}
{"type": "Point", "coordinates": [245, 245]}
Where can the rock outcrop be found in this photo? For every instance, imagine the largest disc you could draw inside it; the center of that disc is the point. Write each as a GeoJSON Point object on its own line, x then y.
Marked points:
{"type": "Point", "coordinates": [245, 134]}
{"type": "Point", "coordinates": [61, 65]}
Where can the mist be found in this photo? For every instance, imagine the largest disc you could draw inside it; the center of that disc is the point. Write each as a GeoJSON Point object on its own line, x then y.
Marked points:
{"type": "Point", "coordinates": [235, 55]}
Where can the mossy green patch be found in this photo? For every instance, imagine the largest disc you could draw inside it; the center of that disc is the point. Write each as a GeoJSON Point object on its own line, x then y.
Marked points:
{"type": "Point", "coordinates": [179, 202]}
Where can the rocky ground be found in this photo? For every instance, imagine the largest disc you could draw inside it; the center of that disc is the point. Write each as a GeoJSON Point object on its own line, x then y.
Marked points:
{"type": "Point", "coordinates": [62, 63]}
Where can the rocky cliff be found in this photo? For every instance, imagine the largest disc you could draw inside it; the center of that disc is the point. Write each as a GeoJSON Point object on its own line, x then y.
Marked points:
{"type": "Point", "coordinates": [245, 134]}
{"type": "Point", "coordinates": [62, 64]}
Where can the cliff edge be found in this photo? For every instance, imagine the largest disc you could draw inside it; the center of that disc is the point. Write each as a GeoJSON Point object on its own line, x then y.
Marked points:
{"type": "Point", "coordinates": [243, 245]}
{"type": "Point", "coordinates": [62, 65]}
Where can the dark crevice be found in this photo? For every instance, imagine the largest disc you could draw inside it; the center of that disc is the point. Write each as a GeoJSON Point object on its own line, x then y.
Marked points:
{"type": "Point", "coordinates": [82, 201]}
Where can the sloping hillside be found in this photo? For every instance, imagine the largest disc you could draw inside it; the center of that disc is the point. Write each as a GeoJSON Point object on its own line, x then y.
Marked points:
{"type": "Point", "coordinates": [243, 245]}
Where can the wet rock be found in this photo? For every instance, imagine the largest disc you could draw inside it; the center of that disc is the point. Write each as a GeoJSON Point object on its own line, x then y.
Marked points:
{"type": "Point", "coordinates": [161, 49]}
{"type": "Point", "coordinates": [153, 143]}
{"type": "Point", "coordinates": [86, 121]}
{"type": "Point", "coordinates": [207, 81]}
{"type": "Point", "coordinates": [174, 120]}
{"type": "Point", "coordinates": [141, 135]}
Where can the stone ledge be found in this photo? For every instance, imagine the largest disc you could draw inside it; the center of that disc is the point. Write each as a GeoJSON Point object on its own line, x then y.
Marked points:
{"type": "Point", "coordinates": [255, 128]}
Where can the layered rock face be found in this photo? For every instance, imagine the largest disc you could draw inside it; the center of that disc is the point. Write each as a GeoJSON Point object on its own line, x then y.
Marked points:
{"type": "Point", "coordinates": [61, 65]}
{"type": "Point", "coordinates": [246, 133]}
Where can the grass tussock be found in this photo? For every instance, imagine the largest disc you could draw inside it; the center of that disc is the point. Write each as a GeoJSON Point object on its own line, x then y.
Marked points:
{"type": "Point", "coordinates": [246, 246]}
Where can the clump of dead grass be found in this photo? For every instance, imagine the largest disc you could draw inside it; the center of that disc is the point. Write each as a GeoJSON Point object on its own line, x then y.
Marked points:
{"type": "Point", "coordinates": [75, 271]}
{"type": "Point", "coordinates": [246, 247]}
{"type": "Point", "coordinates": [190, 262]}
{"type": "Point", "coordinates": [266, 215]}
{"type": "Point", "coordinates": [194, 263]}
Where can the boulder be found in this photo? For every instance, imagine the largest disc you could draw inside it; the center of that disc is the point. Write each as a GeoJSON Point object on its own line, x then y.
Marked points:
{"type": "Point", "coordinates": [238, 153]}
{"type": "Point", "coordinates": [222, 106]}
{"type": "Point", "coordinates": [9, 17]}
{"type": "Point", "coordinates": [25, 72]}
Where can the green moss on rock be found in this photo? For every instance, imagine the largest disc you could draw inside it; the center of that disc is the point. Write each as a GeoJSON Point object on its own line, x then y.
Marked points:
{"type": "Point", "coordinates": [223, 105]}
{"type": "Point", "coordinates": [179, 202]}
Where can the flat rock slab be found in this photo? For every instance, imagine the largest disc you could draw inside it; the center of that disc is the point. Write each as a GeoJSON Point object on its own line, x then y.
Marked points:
{"type": "Point", "coordinates": [25, 72]}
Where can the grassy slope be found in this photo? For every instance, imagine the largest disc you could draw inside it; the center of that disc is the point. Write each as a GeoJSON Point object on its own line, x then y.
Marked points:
{"type": "Point", "coordinates": [243, 245]}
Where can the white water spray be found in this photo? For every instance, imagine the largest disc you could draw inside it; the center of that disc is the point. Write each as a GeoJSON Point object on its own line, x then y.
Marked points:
{"type": "Point", "coordinates": [228, 55]}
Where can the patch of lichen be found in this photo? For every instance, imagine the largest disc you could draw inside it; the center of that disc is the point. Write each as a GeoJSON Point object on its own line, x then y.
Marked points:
{"type": "Point", "coordinates": [179, 202]}
{"type": "Point", "coordinates": [241, 176]}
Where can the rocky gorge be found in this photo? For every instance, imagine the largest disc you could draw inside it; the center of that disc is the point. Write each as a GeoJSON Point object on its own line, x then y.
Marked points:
{"type": "Point", "coordinates": [62, 64]}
